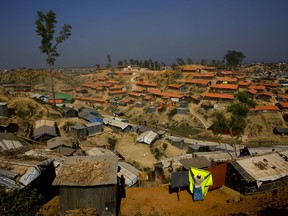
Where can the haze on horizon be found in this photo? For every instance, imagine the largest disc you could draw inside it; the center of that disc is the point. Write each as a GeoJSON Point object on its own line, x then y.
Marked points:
{"type": "Point", "coordinates": [161, 30]}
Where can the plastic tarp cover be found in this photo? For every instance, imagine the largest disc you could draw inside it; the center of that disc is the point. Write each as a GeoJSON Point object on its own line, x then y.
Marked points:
{"type": "Point", "coordinates": [205, 184]}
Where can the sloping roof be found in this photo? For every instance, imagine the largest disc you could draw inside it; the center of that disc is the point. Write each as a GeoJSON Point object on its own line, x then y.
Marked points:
{"type": "Point", "coordinates": [89, 85]}
{"type": "Point", "coordinates": [87, 171]}
{"type": "Point", "coordinates": [216, 156]}
{"type": "Point", "coordinates": [60, 95]}
{"type": "Point", "coordinates": [190, 69]}
{"type": "Point", "coordinates": [197, 162]}
{"type": "Point", "coordinates": [266, 150]}
{"type": "Point", "coordinates": [134, 94]}
{"type": "Point", "coordinates": [218, 95]}
{"type": "Point", "coordinates": [284, 104]}
{"type": "Point", "coordinates": [175, 160]}
{"type": "Point", "coordinates": [252, 91]}
{"type": "Point", "coordinates": [265, 93]}
{"type": "Point", "coordinates": [197, 97]}
{"type": "Point", "coordinates": [98, 151]}
{"type": "Point", "coordinates": [9, 141]}
{"type": "Point", "coordinates": [197, 81]}
{"type": "Point", "coordinates": [224, 86]}
{"type": "Point", "coordinates": [147, 137]}
{"type": "Point", "coordinates": [170, 95]}
{"type": "Point", "coordinates": [266, 167]}
{"type": "Point", "coordinates": [130, 173]}
{"type": "Point", "coordinates": [115, 87]}
{"type": "Point", "coordinates": [61, 141]}
{"type": "Point", "coordinates": [227, 72]}
{"type": "Point", "coordinates": [44, 127]}
{"type": "Point", "coordinates": [263, 108]}
{"type": "Point", "coordinates": [115, 123]}
{"type": "Point", "coordinates": [257, 87]}
{"type": "Point", "coordinates": [270, 84]}
{"type": "Point", "coordinates": [147, 84]}
{"type": "Point", "coordinates": [211, 75]}
{"type": "Point", "coordinates": [117, 92]}
{"type": "Point", "coordinates": [283, 96]}
{"type": "Point", "coordinates": [244, 83]}
{"type": "Point", "coordinates": [113, 82]}
{"type": "Point", "coordinates": [227, 79]}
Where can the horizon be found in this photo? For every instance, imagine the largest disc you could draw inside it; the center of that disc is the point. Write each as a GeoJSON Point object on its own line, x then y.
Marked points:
{"type": "Point", "coordinates": [159, 30]}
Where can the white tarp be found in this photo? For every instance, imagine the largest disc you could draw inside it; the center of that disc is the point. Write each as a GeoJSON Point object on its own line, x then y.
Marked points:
{"type": "Point", "coordinates": [266, 167]}
{"type": "Point", "coordinates": [130, 173]}
{"type": "Point", "coordinates": [147, 137]}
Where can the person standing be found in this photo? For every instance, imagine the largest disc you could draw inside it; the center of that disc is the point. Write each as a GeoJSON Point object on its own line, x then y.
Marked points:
{"type": "Point", "coordinates": [197, 190]}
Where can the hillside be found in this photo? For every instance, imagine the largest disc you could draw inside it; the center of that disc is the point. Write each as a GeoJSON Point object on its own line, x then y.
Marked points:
{"type": "Point", "coordinates": [259, 128]}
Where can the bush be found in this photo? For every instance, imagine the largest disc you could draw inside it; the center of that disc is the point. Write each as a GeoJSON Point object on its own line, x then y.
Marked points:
{"type": "Point", "coordinates": [19, 202]}
{"type": "Point", "coordinates": [112, 142]}
{"type": "Point", "coordinates": [172, 113]}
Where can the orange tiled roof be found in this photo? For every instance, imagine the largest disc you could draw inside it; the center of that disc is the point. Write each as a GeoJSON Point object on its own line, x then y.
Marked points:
{"type": "Point", "coordinates": [284, 104]}
{"type": "Point", "coordinates": [220, 96]}
{"type": "Point", "coordinates": [266, 93]}
{"type": "Point", "coordinates": [117, 92]}
{"type": "Point", "coordinates": [139, 89]}
{"type": "Point", "coordinates": [190, 69]}
{"type": "Point", "coordinates": [116, 87]}
{"type": "Point", "coordinates": [196, 97]}
{"type": "Point", "coordinates": [99, 88]}
{"type": "Point", "coordinates": [270, 84]}
{"type": "Point", "coordinates": [154, 90]}
{"type": "Point", "coordinates": [99, 100]}
{"type": "Point", "coordinates": [228, 79]}
{"type": "Point", "coordinates": [252, 91]}
{"type": "Point", "coordinates": [89, 85]}
{"type": "Point", "coordinates": [146, 84]}
{"type": "Point", "coordinates": [147, 97]}
{"type": "Point", "coordinates": [106, 85]}
{"type": "Point", "coordinates": [227, 72]}
{"type": "Point", "coordinates": [203, 75]}
{"type": "Point", "coordinates": [257, 87]}
{"type": "Point", "coordinates": [197, 81]}
{"type": "Point", "coordinates": [284, 96]}
{"type": "Point", "coordinates": [263, 108]}
{"type": "Point", "coordinates": [126, 100]}
{"type": "Point", "coordinates": [169, 95]}
{"type": "Point", "coordinates": [244, 83]}
{"type": "Point", "coordinates": [113, 82]}
{"type": "Point", "coordinates": [224, 86]}
{"type": "Point", "coordinates": [135, 94]}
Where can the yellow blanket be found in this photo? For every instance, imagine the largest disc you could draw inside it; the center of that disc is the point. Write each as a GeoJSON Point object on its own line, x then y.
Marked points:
{"type": "Point", "coordinates": [205, 184]}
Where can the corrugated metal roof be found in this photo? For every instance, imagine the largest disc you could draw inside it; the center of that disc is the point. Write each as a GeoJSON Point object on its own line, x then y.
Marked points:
{"type": "Point", "coordinates": [175, 160]}
{"type": "Point", "coordinates": [115, 123]}
{"type": "Point", "coordinates": [9, 141]}
{"type": "Point", "coordinates": [61, 141]}
{"type": "Point", "coordinates": [98, 151]}
{"type": "Point", "coordinates": [88, 171]}
{"type": "Point", "coordinates": [266, 167]}
{"type": "Point", "coordinates": [130, 173]}
{"type": "Point", "coordinates": [216, 156]}
{"type": "Point", "coordinates": [266, 150]}
{"type": "Point", "coordinates": [43, 122]}
{"type": "Point", "coordinates": [147, 137]}
{"type": "Point", "coordinates": [197, 162]}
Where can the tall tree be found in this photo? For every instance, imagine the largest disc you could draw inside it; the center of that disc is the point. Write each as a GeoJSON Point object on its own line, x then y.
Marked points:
{"type": "Point", "coordinates": [109, 60]}
{"type": "Point", "coordinates": [233, 58]}
{"type": "Point", "coordinates": [45, 27]}
{"type": "Point", "coordinates": [189, 61]}
{"type": "Point", "coordinates": [180, 61]}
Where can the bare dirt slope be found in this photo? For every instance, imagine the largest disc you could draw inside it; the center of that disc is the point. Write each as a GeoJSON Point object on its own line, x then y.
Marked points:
{"type": "Point", "coordinates": [158, 201]}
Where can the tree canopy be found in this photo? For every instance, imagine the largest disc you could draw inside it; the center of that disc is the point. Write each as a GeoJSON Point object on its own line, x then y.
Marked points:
{"type": "Point", "coordinates": [233, 58]}
{"type": "Point", "coordinates": [45, 27]}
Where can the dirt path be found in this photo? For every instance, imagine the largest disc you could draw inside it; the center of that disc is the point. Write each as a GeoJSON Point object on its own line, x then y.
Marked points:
{"type": "Point", "coordinates": [202, 120]}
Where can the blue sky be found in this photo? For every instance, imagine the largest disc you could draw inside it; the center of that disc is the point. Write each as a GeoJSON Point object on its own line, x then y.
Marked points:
{"type": "Point", "coordinates": [141, 29]}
